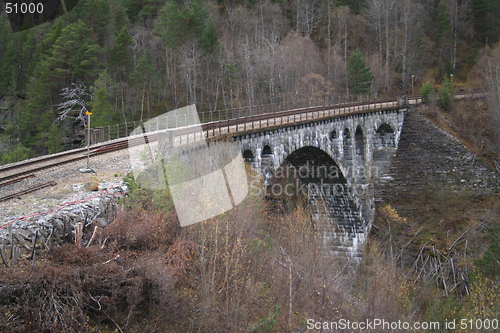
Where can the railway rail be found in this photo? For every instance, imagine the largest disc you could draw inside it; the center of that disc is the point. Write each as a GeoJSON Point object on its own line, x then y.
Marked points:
{"type": "Point", "coordinates": [29, 190]}
{"type": "Point", "coordinates": [11, 172]}
{"type": "Point", "coordinates": [16, 180]}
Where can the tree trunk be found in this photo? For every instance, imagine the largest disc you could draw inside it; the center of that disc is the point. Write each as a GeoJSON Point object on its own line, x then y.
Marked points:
{"type": "Point", "coordinates": [345, 49]}
{"type": "Point", "coordinates": [406, 17]}
{"type": "Point", "coordinates": [147, 101]}
{"type": "Point", "coordinates": [142, 102]}
{"type": "Point", "coordinates": [455, 28]}
{"type": "Point", "coordinates": [387, 51]}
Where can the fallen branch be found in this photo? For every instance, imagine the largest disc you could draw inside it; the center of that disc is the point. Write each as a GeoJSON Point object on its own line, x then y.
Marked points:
{"type": "Point", "coordinates": [104, 243]}
{"type": "Point", "coordinates": [78, 235]}
{"type": "Point", "coordinates": [110, 260]}
{"type": "Point", "coordinates": [415, 265]}
{"type": "Point", "coordinates": [1, 254]}
{"type": "Point", "coordinates": [15, 254]}
{"type": "Point", "coordinates": [494, 257]}
{"type": "Point", "coordinates": [48, 238]}
{"type": "Point", "coordinates": [409, 242]}
{"type": "Point", "coordinates": [33, 252]}
{"type": "Point", "coordinates": [423, 266]}
{"type": "Point", "coordinates": [455, 242]}
{"type": "Point", "coordinates": [93, 236]}
{"type": "Point", "coordinates": [336, 276]}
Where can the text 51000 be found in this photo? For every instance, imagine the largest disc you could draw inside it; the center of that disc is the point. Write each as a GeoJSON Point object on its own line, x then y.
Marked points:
{"type": "Point", "coordinates": [23, 8]}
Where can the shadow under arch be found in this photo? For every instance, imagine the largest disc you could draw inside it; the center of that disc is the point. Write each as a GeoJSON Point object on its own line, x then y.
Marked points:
{"type": "Point", "coordinates": [347, 146]}
{"type": "Point", "coordinates": [384, 137]}
{"type": "Point", "coordinates": [312, 164]}
{"type": "Point", "coordinates": [248, 154]}
{"type": "Point", "coordinates": [359, 140]}
{"type": "Point", "coordinates": [336, 215]}
{"type": "Point", "coordinates": [267, 150]}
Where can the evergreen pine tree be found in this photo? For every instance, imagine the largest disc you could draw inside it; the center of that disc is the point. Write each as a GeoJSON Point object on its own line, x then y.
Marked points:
{"type": "Point", "coordinates": [151, 8]}
{"type": "Point", "coordinates": [96, 17]}
{"type": "Point", "coordinates": [104, 81]}
{"type": "Point", "coordinates": [489, 264]}
{"type": "Point", "coordinates": [74, 55]}
{"type": "Point", "coordinates": [29, 46]}
{"type": "Point", "coordinates": [209, 40]}
{"type": "Point", "coordinates": [102, 110]}
{"type": "Point", "coordinates": [7, 69]}
{"type": "Point", "coordinates": [133, 8]}
{"type": "Point", "coordinates": [143, 75]}
{"type": "Point", "coordinates": [443, 22]}
{"type": "Point", "coordinates": [17, 153]}
{"type": "Point", "coordinates": [359, 76]}
{"type": "Point", "coordinates": [54, 141]}
{"type": "Point", "coordinates": [44, 49]}
{"type": "Point", "coordinates": [356, 6]}
{"type": "Point", "coordinates": [446, 94]}
{"type": "Point", "coordinates": [120, 19]}
{"type": "Point", "coordinates": [426, 92]}
{"type": "Point", "coordinates": [120, 55]}
{"type": "Point", "coordinates": [482, 17]}
{"type": "Point", "coordinates": [177, 26]}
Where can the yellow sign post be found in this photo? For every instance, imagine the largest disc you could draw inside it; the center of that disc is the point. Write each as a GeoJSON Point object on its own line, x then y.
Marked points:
{"type": "Point", "coordinates": [88, 138]}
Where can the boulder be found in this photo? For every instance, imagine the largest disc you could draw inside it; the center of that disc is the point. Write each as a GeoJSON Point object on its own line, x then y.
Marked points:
{"type": "Point", "coordinates": [91, 185]}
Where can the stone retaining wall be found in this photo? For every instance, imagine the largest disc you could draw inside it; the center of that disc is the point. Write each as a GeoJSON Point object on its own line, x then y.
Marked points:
{"type": "Point", "coordinates": [58, 224]}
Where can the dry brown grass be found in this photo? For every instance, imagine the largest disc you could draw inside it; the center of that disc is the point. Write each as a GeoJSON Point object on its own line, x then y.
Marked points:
{"type": "Point", "coordinates": [144, 273]}
{"type": "Point", "coordinates": [472, 122]}
{"type": "Point", "coordinates": [142, 230]}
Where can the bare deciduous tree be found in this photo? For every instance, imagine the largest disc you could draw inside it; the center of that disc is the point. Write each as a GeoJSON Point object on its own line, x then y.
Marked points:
{"type": "Point", "coordinates": [75, 104]}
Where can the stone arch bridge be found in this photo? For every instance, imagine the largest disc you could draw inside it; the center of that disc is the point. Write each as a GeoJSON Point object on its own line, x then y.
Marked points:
{"type": "Point", "coordinates": [339, 152]}
{"type": "Point", "coordinates": [338, 159]}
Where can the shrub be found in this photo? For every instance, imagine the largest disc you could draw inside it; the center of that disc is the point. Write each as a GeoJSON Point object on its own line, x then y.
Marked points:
{"type": "Point", "coordinates": [16, 154]}
{"type": "Point", "coordinates": [446, 94]}
{"type": "Point", "coordinates": [426, 92]}
{"type": "Point", "coordinates": [54, 140]}
{"type": "Point", "coordinates": [141, 230]}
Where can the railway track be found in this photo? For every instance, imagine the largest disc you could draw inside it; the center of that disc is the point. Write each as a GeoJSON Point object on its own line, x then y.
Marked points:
{"type": "Point", "coordinates": [11, 173]}
{"type": "Point", "coordinates": [16, 180]}
{"type": "Point", "coordinates": [29, 190]}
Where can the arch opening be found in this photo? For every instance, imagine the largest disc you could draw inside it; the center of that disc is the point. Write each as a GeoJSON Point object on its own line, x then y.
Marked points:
{"type": "Point", "coordinates": [359, 140]}
{"type": "Point", "coordinates": [384, 137]}
{"type": "Point", "coordinates": [313, 164]}
{"type": "Point", "coordinates": [311, 172]}
{"type": "Point", "coordinates": [248, 154]}
{"type": "Point", "coordinates": [347, 146]}
{"type": "Point", "coordinates": [267, 150]}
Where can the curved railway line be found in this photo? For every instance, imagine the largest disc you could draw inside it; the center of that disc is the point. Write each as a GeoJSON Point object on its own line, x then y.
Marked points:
{"type": "Point", "coordinates": [15, 172]}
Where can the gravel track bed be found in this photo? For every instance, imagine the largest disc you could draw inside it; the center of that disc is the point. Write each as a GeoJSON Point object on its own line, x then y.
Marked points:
{"type": "Point", "coordinates": [110, 169]}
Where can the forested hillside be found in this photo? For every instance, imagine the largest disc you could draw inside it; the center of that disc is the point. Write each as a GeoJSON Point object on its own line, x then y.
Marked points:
{"type": "Point", "coordinates": [432, 255]}
{"type": "Point", "coordinates": [135, 59]}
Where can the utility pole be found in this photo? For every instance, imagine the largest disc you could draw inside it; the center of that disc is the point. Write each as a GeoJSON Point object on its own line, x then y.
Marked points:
{"type": "Point", "coordinates": [88, 139]}
{"type": "Point", "coordinates": [412, 77]}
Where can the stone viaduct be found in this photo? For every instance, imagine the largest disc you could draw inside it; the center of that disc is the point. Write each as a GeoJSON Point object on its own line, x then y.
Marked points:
{"type": "Point", "coordinates": [338, 160]}
{"type": "Point", "coordinates": [343, 157]}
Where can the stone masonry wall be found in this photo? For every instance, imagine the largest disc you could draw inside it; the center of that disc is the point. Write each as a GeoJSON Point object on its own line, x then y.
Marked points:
{"type": "Point", "coordinates": [58, 225]}
{"type": "Point", "coordinates": [429, 158]}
